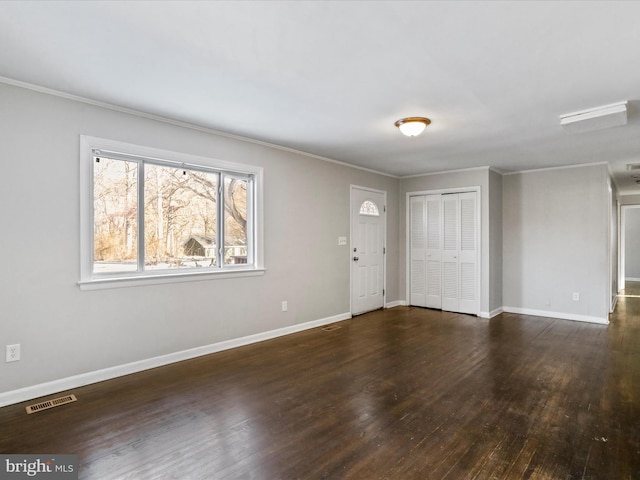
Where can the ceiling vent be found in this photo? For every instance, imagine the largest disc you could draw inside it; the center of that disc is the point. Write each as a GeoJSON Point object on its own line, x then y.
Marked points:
{"type": "Point", "coordinates": [614, 115]}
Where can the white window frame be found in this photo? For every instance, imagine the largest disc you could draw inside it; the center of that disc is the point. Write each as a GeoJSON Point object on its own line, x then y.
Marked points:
{"type": "Point", "coordinates": [255, 231]}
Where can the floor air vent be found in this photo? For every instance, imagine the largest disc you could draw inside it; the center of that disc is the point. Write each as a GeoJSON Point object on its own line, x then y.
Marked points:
{"type": "Point", "coordinates": [330, 328]}
{"type": "Point", "coordinates": [56, 402]}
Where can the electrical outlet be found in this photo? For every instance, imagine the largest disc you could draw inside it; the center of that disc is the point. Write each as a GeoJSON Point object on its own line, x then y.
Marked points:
{"type": "Point", "coordinates": [284, 306]}
{"type": "Point", "coordinates": [576, 297]}
{"type": "Point", "coordinates": [13, 353]}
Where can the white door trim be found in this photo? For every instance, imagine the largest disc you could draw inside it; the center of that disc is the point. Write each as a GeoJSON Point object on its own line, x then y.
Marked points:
{"type": "Point", "coordinates": [478, 239]}
{"type": "Point", "coordinates": [353, 187]}
{"type": "Point", "coordinates": [621, 241]}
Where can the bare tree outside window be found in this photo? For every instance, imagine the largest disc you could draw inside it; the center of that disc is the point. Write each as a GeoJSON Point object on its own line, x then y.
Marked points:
{"type": "Point", "coordinates": [235, 221]}
{"type": "Point", "coordinates": [174, 212]}
{"type": "Point", "coordinates": [180, 217]}
{"type": "Point", "coordinates": [115, 206]}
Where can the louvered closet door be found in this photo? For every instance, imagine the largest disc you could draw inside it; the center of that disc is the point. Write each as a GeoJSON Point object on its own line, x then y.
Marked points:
{"type": "Point", "coordinates": [468, 254]}
{"type": "Point", "coordinates": [417, 241]}
{"type": "Point", "coordinates": [443, 257]}
{"type": "Point", "coordinates": [434, 251]}
{"type": "Point", "coordinates": [450, 247]}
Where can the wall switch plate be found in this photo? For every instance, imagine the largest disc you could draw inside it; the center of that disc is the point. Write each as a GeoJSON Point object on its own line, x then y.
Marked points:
{"type": "Point", "coordinates": [342, 240]}
{"type": "Point", "coordinates": [576, 297]}
{"type": "Point", "coordinates": [13, 353]}
{"type": "Point", "coordinates": [284, 306]}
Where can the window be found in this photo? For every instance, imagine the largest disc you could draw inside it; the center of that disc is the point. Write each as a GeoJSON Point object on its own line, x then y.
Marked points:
{"type": "Point", "coordinates": [155, 216]}
{"type": "Point", "coordinates": [369, 208]}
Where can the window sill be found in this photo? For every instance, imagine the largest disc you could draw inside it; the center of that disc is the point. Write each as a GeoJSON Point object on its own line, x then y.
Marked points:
{"type": "Point", "coordinates": [138, 281]}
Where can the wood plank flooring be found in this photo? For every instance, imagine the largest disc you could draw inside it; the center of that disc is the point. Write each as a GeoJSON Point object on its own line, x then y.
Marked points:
{"type": "Point", "coordinates": [405, 393]}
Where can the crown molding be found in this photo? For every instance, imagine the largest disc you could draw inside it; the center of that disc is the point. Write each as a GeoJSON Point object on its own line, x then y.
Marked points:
{"type": "Point", "coordinates": [180, 123]}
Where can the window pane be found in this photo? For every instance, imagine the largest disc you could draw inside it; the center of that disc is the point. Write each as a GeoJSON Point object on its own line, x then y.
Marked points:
{"type": "Point", "coordinates": [180, 218]}
{"type": "Point", "coordinates": [115, 212]}
{"type": "Point", "coordinates": [235, 220]}
{"type": "Point", "coordinates": [369, 208]}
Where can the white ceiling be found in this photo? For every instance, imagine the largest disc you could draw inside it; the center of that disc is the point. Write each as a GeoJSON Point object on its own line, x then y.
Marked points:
{"type": "Point", "coordinates": [330, 78]}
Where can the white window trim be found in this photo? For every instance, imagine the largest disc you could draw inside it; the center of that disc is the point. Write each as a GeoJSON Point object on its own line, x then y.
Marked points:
{"type": "Point", "coordinates": [90, 282]}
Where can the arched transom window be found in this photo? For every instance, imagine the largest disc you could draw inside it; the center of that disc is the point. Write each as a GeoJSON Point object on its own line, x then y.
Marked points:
{"type": "Point", "coordinates": [369, 208]}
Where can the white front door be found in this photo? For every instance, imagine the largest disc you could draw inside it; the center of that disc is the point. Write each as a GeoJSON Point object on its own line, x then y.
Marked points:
{"type": "Point", "coordinates": [368, 221]}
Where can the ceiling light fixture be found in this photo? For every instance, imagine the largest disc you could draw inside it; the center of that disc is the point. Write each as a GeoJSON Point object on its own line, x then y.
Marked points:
{"type": "Point", "coordinates": [412, 126]}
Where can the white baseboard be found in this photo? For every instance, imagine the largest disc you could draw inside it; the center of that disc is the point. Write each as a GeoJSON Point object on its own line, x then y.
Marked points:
{"type": "Point", "coordinates": [613, 304]}
{"type": "Point", "coordinates": [397, 303]}
{"type": "Point", "coordinates": [68, 383]}
{"type": "Point", "coordinates": [492, 313]}
{"type": "Point", "coordinates": [632, 279]}
{"type": "Point", "coordinates": [563, 316]}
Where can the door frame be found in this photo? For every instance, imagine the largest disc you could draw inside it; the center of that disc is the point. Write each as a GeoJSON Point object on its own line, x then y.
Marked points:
{"type": "Point", "coordinates": [442, 191]}
{"type": "Point", "coordinates": [622, 244]}
{"type": "Point", "coordinates": [353, 187]}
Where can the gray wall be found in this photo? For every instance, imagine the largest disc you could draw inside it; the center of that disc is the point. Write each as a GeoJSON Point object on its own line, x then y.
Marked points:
{"type": "Point", "coordinates": [632, 244]}
{"type": "Point", "coordinates": [495, 241]}
{"type": "Point", "coordinates": [64, 331]}
{"type": "Point", "coordinates": [556, 241]}
{"type": "Point", "coordinates": [629, 200]}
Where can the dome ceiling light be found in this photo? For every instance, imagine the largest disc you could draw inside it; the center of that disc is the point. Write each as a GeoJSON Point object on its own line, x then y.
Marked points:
{"type": "Point", "coordinates": [412, 126]}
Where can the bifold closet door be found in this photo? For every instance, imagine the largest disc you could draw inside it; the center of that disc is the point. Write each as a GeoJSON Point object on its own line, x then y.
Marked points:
{"type": "Point", "coordinates": [443, 252]}
{"type": "Point", "coordinates": [434, 250]}
{"type": "Point", "coordinates": [468, 267]}
{"type": "Point", "coordinates": [418, 254]}
{"type": "Point", "coordinates": [459, 253]}
{"type": "Point", "coordinates": [450, 247]}
{"type": "Point", "coordinates": [426, 251]}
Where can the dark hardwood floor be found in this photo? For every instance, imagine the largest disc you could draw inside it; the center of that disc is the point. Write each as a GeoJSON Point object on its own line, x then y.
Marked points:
{"type": "Point", "coordinates": [405, 393]}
